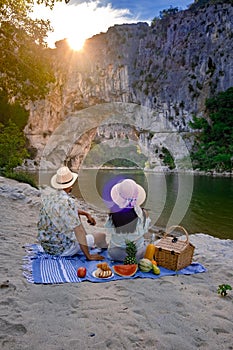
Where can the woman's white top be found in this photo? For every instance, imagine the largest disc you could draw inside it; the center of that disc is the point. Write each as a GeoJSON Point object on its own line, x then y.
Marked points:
{"type": "Point", "coordinates": [118, 239]}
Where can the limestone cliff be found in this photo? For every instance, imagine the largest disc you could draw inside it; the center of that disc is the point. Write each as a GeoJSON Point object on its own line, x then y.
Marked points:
{"type": "Point", "coordinates": [170, 67]}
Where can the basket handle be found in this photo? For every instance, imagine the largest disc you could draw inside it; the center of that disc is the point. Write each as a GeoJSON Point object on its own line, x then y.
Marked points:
{"type": "Point", "coordinates": [171, 228]}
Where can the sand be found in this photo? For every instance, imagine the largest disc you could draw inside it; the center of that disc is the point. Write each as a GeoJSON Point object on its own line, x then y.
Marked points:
{"type": "Point", "coordinates": [174, 312]}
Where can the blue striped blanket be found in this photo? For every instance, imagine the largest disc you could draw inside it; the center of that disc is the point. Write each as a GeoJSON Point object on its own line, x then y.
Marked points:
{"type": "Point", "coordinates": [43, 268]}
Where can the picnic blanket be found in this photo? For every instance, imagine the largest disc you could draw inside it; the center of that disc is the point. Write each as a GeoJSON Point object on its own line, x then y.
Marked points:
{"type": "Point", "coordinates": [42, 268]}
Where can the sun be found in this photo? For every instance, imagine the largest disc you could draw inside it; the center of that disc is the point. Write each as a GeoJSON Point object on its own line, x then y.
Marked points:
{"type": "Point", "coordinates": [68, 22]}
{"type": "Point", "coordinates": [76, 42]}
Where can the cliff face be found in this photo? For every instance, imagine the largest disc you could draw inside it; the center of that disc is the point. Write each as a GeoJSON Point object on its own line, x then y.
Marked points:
{"type": "Point", "coordinates": [171, 67]}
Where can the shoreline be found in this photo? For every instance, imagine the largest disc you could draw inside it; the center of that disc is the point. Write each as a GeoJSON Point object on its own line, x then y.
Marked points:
{"type": "Point", "coordinates": [158, 170]}
{"type": "Point", "coordinates": [167, 171]}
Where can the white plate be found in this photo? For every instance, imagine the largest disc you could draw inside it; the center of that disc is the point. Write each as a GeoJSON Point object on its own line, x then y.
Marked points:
{"type": "Point", "coordinates": [102, 278]}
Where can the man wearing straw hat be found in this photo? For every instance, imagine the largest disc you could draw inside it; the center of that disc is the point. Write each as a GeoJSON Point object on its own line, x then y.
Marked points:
{"type": "Point", "coordinates": [60, 231]}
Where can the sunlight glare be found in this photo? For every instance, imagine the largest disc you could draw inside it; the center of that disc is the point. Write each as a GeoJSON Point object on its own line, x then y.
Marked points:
{"type": "Point", "coordinates": [76, 42]}
{"type": "Point", "coordinates": [76, 23]}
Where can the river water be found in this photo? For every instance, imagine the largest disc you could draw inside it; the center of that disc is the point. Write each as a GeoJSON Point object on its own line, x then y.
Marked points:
{"type": "Point", "coordinates": [203, 203]}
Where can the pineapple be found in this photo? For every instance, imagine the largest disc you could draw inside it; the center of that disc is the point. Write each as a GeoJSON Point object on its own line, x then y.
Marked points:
{"type": "Point", "coordinates": [131, 251]}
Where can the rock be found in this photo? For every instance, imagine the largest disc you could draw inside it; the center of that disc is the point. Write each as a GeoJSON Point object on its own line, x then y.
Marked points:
{"type": "Point", "coordinates": [19, 191]}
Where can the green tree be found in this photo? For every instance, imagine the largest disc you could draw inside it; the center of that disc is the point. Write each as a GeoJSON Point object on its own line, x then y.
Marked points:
{"type": "Point", "coordinates": [168, 12]}
{"type": "Point", "coordinates": [164, 14]}
{"type": "Point", "coordinates": [12, 146]}
{"type": "Point", "coordinates": [12, 111]}
{"type": "Point", "coordinates": [25, 63]}
{"type": "Point", "coordinates": [214, 144]}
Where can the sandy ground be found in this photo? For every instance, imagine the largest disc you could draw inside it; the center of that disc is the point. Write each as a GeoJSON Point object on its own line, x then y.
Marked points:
{"type": "Point", "coordinates": [170, 313]}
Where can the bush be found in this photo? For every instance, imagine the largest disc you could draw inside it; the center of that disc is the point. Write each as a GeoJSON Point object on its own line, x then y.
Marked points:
{"type": "Point", "coordinates": [12, 146]}
{"type": "Point", "coordinates": [21, 177]}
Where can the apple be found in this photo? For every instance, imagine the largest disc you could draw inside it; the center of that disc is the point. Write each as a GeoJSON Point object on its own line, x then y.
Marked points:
{"type": "Point", "coordinates": [81, 272]}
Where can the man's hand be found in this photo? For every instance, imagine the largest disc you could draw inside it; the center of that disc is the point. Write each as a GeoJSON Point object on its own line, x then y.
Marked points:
{"type": "Point", "coordinates": [91, 220]}
{"type": "Point", "coordinates": [95, 257]}
{"type": "Point", "coordinates": [81, 238]}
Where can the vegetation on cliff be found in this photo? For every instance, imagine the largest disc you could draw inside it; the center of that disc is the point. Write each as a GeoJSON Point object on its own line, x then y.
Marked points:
{"type": "Point", "coordinates": [201, 3]}
{"type": "Point", "coordinates": [214, 143]}
{"type": "Point", "coordinates": [194, 6]}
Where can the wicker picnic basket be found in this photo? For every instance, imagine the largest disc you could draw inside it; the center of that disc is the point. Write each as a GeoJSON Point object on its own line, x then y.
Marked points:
{"type": "Point", "coordinates": [173, 253]}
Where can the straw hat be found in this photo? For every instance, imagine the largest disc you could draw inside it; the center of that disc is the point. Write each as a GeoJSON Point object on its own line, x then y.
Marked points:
{"type": "Point", "coordinates": [128, 194]}
{"type": "Point", "coordinates": [64, 178]}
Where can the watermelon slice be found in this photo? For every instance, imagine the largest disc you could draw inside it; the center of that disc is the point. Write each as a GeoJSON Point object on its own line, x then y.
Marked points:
{"type": "Point", "coordinates": [125, 270]}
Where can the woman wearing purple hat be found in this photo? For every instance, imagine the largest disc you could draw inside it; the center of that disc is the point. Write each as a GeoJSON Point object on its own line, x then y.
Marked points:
{"type": "Point", "coordinates": [127, 220]}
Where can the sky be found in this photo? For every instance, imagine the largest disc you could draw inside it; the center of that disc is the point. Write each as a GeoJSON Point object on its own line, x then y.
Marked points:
{"type": "Point", "coordinates": [81, 19]}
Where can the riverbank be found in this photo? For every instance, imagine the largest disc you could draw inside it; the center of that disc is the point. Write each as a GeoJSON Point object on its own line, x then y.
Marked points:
{"type": "Point", "coordinates": [32, 167]}
{"type": "Point", "coordinates": [169, 313]}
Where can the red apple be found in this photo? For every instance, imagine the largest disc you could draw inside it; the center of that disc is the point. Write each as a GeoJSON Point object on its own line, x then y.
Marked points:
{"type": "Point", "coordinates": [81, 272]}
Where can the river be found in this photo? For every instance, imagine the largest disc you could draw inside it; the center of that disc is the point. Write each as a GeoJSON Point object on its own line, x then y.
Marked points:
{"type": "Point", "coordinates": [203, 203]}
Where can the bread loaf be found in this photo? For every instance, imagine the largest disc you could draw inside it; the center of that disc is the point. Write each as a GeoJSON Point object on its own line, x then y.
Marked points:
{"type": "Point", "coordinates": [103, 271]}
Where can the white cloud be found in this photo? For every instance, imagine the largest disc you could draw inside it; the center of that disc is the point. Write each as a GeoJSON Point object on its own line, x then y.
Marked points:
{"type": "Point", "coordinates": [81, 21]}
